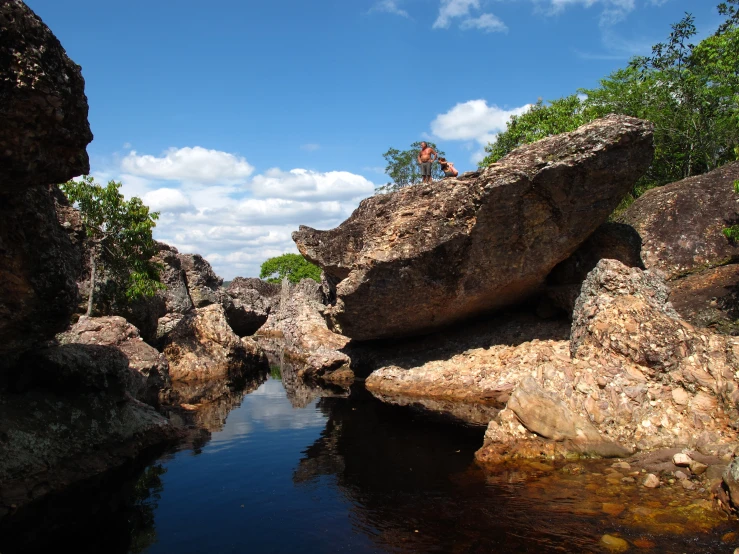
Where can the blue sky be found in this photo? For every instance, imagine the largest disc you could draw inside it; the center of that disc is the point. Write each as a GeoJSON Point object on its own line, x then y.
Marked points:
{"type": "Point", "coordinates": [240, 120]}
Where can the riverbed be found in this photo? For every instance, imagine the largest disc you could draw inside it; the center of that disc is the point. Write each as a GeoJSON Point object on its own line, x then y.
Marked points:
{"type": "Point", "coordinates": [330, 470]}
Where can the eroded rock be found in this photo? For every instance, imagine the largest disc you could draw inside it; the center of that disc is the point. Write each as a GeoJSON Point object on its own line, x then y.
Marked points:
{"type": "Point", "coordinates": [427, 256]}
{"type": "Point", "coordinates": [253, 300]}
{"type": "Point", "coordinates": [43, 107]}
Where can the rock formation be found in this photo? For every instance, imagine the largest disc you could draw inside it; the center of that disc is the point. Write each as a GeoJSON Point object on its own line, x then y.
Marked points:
{"type": "Point", "coordinates": [149, 367]}
{"type": "Point", "coordinates": [253, 300]}
{"type": "Point", "coordinates": [297, 330]}
{"type": "Point", "coordinates": [427, 256]}
{"type": "Point", "coordinates": [43, 107]}
{"type": "Point", "coordinates": [202, 346]}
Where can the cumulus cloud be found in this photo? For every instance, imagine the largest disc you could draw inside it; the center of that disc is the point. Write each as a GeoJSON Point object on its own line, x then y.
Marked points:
{"type": "Point", "coordinates": [190, 164]}
{"type": "Point", "coordinates": [486, 22]}
{"type": "Point", "coordinates": [168, 200]}
{"type": "Point", "coordinates": [389, 6]}
{"type": "Point", "coordinates": [306, 184]}
{"type": "Point", "coordinates": [473, 120]}
{"type": "Point", "coordinates": [236, 224]}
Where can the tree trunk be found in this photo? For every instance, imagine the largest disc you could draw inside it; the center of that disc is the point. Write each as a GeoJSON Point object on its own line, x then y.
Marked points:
{"type": "Point", "coordinates": [92, 283]}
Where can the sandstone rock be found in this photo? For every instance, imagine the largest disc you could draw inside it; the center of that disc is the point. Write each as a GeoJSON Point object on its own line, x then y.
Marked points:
{"type": "Point", "coordinates": [681, 223]}
{"type": "Point", "coordinates": [651, 481]}
{"type": "Point", "coordinates": [709, 298]}
{"type": "Point", "coordinates": [439, 253]}
{"type": "Point", "coordinates": [202, 346]}
{"type": "Point", "coordinates": [614, 544]}
{"type": "Point", "coordinates": [253, 299]}
{"type": "Point", "coordinates": [681, 460]}
{"type": "Point", "coordinates": [298, 331]}
{"type": "Point", "coordinates": [43, 107]}
{"type": "Point", "coordinates": [38, 268]}
{"type": "Point", "coordinates": [203, 284]}
{"type": "Point", "coordinates": [150, 368]}
{"type": "Point", "coordinates": [731, 481]}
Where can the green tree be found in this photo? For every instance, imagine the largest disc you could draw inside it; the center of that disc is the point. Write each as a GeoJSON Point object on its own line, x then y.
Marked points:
{"type": "Point", "coordinates": [559, 116]}
{"type": "Point", "coordinates": [402, 167]}
{"type": "Point", "coordinates": [293, 266]}
{"type": "Point", "coordinates": [119, 234]}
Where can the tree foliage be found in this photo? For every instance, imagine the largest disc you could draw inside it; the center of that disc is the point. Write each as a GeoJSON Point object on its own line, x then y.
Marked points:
{"type": "Point", "coordinates": [402, 167]}
{"type": "Point", "coordinates": [120, 237]}
{"type": "Point", "coordinates": [293, 266]}
{"type": "Point", "coordinates": [690, 92]}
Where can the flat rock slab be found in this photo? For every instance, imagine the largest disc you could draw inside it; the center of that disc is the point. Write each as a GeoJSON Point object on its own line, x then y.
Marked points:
{"type": "Point", "coordinates": [430, 255]}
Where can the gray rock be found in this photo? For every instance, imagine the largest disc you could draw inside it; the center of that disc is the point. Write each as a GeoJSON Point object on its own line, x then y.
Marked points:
{"type": "Point", "coordinates": [731, 480]}
{"type": "Point", "coordinates": [252, 301]}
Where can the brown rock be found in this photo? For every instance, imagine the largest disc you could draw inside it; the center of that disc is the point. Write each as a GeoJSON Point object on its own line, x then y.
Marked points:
{"type": "Point", "coordinates": [439, 253]}
{"type": "Point", "coordinates": [202, 346]}
{"type": "Point", "coordinates": [43, 107]}
{"type": "Point", "coordinates": [253, 300]}
{"type": "Point", "coordinates": [651, 481]}
{"type": "Point", "coordinates": [38, 268]}
{"type": "Point", "coordinates": [709, 298]}
{"type": "Point", "coordinates": [681, 223]}
{"type": "Point", "coordinates": [150, 368]}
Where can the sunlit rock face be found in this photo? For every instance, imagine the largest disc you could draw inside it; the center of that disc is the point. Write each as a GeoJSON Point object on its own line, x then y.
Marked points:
{"type": "Point", "coordinates": [43, 107]}
{"type": "Point", "coordinates": [427, 256]}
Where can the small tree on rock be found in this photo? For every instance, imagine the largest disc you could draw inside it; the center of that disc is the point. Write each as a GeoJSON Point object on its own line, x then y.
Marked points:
{"type": "Point", "coordinates": [293, 266]}
{"type": "Point", "coordinates": [403, 169]}
{"type": "Point", "coordinates": [119, 234]}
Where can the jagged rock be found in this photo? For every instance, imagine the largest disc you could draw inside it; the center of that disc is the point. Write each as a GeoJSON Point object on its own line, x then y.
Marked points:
{"type": "Point", "coordinates": [202, 346]}
{"type": "Point", "coordinates": [681, 223]}
{"type": "Point", "coordinates": [203, 284]}
{"type": "Point", "coordinates": [38, 267]}
{"type": "Point", "coordinates": [149, 367]}
{"type": "Point", "coordinates": [252, 301]}
{"type": "Point", "coordinates": [709, 298]}
{"type": "Point", "coordinates": [431, 255]}
{"type": "Point", "coordinates": [731, 481]}
{"type": "Point", "coordinates": [615, 241]}
{"type": "Point", "coordinates": [43, 107]}
{"type": "Point", "coordinates": [298, 330]}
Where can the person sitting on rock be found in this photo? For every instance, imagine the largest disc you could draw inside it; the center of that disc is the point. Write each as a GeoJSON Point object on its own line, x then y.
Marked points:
{"type": "Point", "coordinates": [448, 168]}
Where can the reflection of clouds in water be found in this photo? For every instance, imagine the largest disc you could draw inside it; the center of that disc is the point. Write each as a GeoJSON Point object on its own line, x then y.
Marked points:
{"type": "Point", "coordinates": [268, 406]}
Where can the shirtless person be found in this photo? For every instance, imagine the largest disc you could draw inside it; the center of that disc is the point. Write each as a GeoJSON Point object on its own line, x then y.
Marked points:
{"type": "Point", "coordinates": [425, 158]}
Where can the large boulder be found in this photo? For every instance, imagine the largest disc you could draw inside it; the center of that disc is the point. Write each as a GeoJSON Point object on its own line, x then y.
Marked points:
{"type": "Point", "coordinates": [709, 298]}
{"type": "Point", "coordinates": [202, 346]}
{"type": "Point", "coordinates": [150, 370]}
{"type": "Point", "coordinates": [681, 223]}
{"type": "Point", "coordinates": [38, 268]}
{"type": "Point", "coordinates": [203, 284]}
{"type": "Point", "coordinates": [427, 256]}
{"type": "Point", "coordinates": [298, 332]}
{"type": "Point", "coordinates": [43, 107]}
{"type": "Point", "coordinates": [252, 302]}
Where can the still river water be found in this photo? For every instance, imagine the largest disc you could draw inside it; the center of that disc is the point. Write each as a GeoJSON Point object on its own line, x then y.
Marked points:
{"type": "Point", "coordinates": [291, 471]}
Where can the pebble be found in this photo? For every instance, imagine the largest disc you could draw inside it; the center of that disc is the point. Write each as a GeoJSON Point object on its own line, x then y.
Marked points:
{"type": "Point", "coordinates": [651, 481]}
{"type": "Point", "coordinates": [680, 475]}
{"type": "Point", "coordinates": [682, 460]}
{"type": "Point", "coordinates": [698, 468]}
{"type": "Point", "coordinates": [687, 484]}
{"type": "Point", "coordinates": [621, 465]}
{"type": "Point", "coordinates": [616, 544]}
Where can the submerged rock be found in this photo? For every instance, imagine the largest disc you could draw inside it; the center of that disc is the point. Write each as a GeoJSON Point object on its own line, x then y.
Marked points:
{"type": "Point", "coordinates": [43, 107]}
{"type": "Point", "coordinates": [430, 255]}
{"type": "Point", "coordinates": [202, 346]}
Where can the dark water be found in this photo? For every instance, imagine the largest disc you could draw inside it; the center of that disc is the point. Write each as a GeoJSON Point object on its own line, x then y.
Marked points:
{"type": "Point", "coordinates": [299, 473]}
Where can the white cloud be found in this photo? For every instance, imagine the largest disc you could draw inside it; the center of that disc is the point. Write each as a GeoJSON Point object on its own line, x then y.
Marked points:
{"type": "Point", "coordinates": [451, 9]}
{"type": "Point", "coordinates": [389, 6]}
{"type": "Point", "coordinates": [473, 120]}
{"type": "Point", "coordinates": [613, 12]}
{"type": "Point", "coordinates": [237, 225]}
{"type": "Point", "coordinates": [306, 184]}
{"type": "Point", "coordinates": [168, 200]}
{"type": "Point", "coordinates": [310, 147]}
{"type": "Point", "coordinates": [190, 164]}
{"type": "Point", "coordinates": [486, 22]}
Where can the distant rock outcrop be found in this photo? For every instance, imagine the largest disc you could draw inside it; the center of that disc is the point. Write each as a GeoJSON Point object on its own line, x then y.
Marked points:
{"type": "Point", "coordinates": [252, 302]}
{"type": "Point", "coordinates": [430, 255]}
{"type": "Point", "coordinates": [43, 107]}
